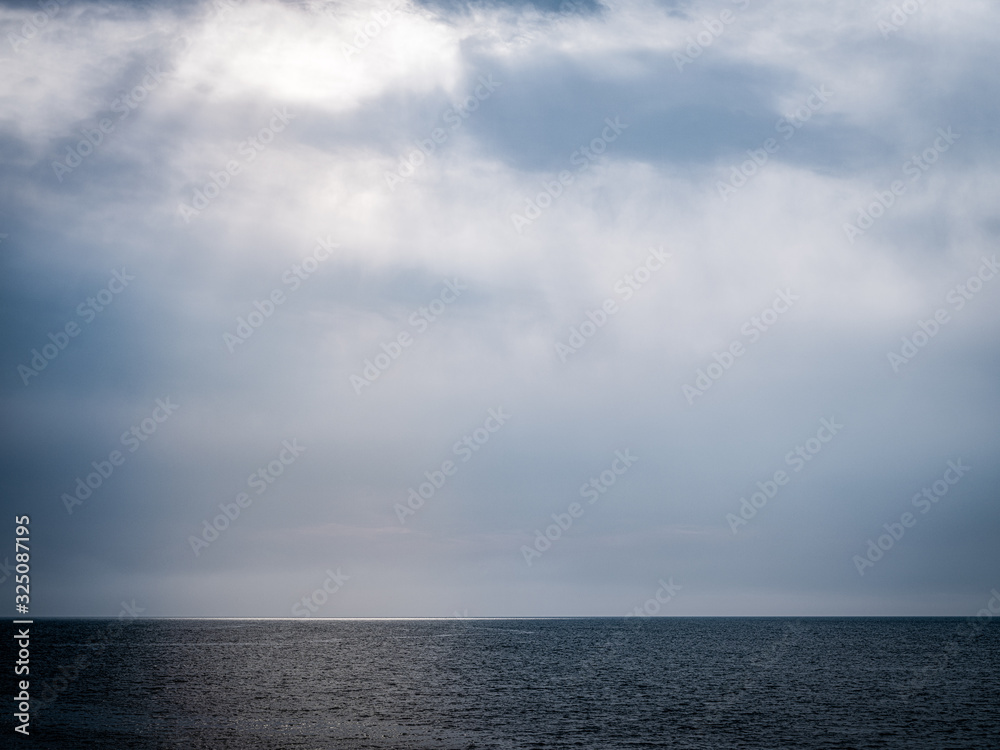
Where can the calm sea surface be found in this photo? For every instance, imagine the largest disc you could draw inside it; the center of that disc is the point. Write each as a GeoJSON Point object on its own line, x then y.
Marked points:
{"type": "Point", "coordinates": [712, 683]}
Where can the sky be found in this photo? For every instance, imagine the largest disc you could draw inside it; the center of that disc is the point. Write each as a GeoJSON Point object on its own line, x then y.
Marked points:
{"type": "Point", "coordinates": [435, 309]}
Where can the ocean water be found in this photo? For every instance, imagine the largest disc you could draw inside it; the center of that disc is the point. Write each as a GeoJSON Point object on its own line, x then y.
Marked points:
{"type": "Point", "coordinates": [707, 683]}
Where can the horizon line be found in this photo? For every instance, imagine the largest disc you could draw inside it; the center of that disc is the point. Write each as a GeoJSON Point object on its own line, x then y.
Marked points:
{"type": "Point", "coordinates": [453, 618]}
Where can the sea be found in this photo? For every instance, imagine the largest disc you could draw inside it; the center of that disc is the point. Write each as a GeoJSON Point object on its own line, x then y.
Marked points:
{"type": "Point", "coordinates": [472, 684]}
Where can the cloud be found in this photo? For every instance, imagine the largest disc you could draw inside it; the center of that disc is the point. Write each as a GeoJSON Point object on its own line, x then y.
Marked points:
{"type": "Point", "coordinates": [209, 149]}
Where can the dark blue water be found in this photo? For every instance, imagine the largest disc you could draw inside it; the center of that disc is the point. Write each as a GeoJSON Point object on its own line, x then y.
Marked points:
{"type": "Point", "coordinates": [577, 683]}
